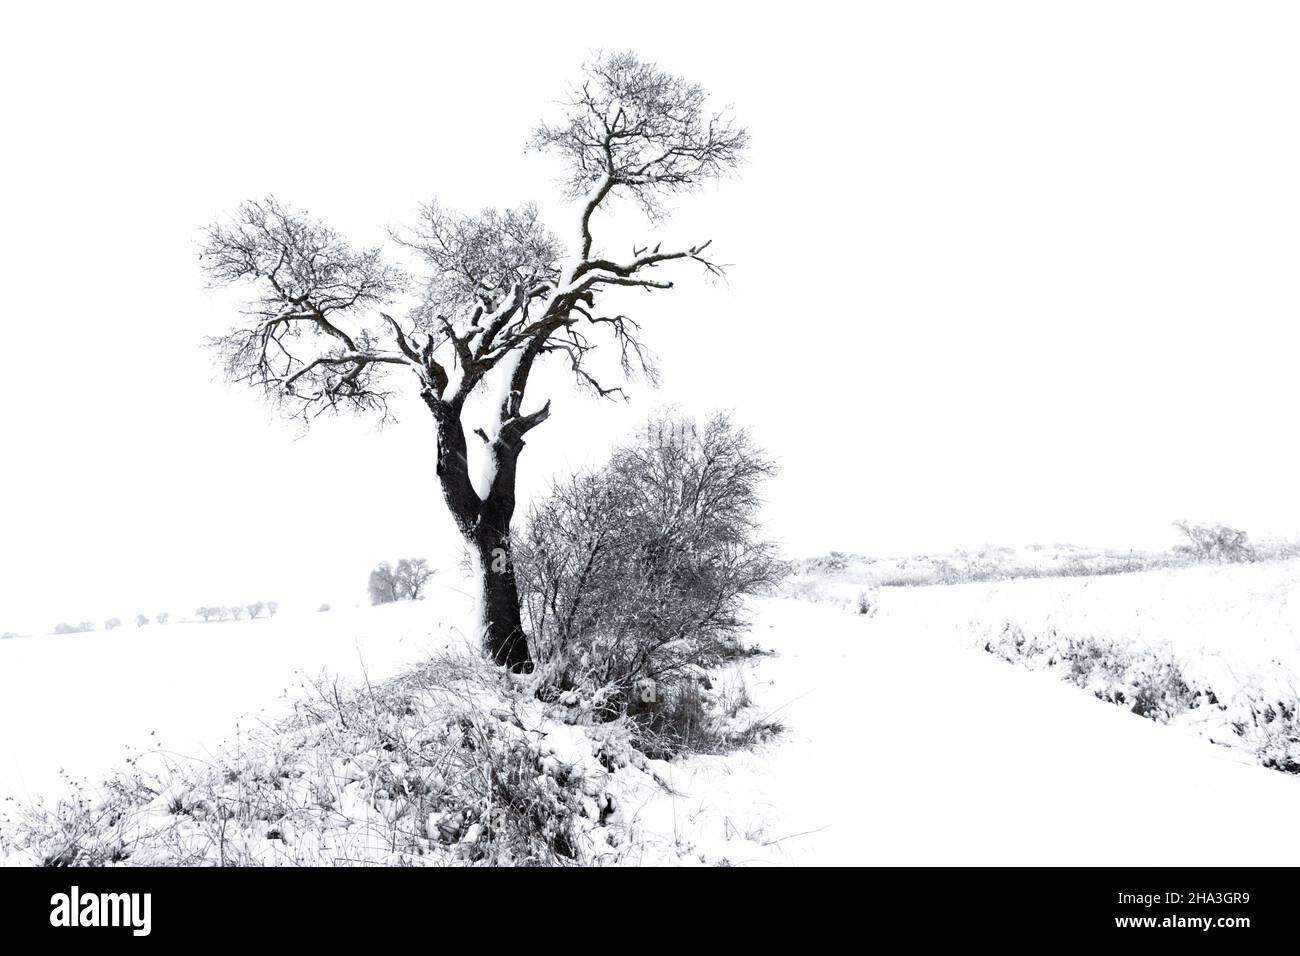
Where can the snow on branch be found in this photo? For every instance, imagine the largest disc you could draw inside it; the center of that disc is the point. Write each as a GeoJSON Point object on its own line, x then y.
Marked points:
{"type": "Point", "coordinates": [302, 346]}
{"type": "Point", "coordinates": [494, 290]}
{"type": "Point", "coordinates": [633, 127]}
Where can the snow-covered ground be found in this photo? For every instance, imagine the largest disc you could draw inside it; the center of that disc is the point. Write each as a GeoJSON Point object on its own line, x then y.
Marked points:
{"type": "Point", "coordinates": [905, 746]}
{"type": "Point", "coordinates": [905, 742]}
{"type": "Point", "coordinates": [81, 702]}
{"type": "Point", "coordinates": [1232, 626]}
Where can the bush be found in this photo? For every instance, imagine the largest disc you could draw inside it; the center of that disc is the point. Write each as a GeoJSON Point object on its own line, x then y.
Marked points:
{"type": "Point", "coordinates": [633, 576]}
{"type": "Point", "coordinates": [141, 620]}
{"type": "Point", "coordinates": [406, 582]}
{"type": "Point", "coordinates": [866, 605]}
{"type": "Point", "coordinates": [1214, 543]}
{"type": "Point", "coordinates": [440, 765]}
{"type": "Point", "coordinates": [112, 622]}
{"type": "Point", "coordinates": [1145, 680]}
{"type": "Point", "coordinates": [1270, 726]}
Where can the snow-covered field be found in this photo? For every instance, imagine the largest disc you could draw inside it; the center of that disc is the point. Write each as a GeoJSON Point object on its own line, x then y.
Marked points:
{"type": "Point", "coordinates": [905, 742]}
{"type": "Point", "coordinates": [906, 745]}
{"type": "Point", "coordinates": [80, 702]}
{"type": "Point", "coordinates": [1232, 626]}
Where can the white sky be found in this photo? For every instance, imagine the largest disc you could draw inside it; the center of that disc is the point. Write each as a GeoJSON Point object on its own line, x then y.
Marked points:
{"type": "Point", "coordinates": [1003, 272]}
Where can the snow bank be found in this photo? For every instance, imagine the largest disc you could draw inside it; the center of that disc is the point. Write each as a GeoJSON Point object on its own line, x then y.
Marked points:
{"type": "Point", "coordinates": [76, 705]}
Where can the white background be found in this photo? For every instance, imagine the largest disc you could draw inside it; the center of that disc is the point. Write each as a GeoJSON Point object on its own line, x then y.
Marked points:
{"type": "Point", "coordinates": [1003, 272]}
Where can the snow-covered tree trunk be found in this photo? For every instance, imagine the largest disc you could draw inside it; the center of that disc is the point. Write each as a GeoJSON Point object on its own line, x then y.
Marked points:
{"type": "Point", "coordinates": [483, 515]}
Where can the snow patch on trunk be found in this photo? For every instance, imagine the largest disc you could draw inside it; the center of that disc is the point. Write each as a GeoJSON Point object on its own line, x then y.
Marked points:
{"type": "Point", "coordinates": [496, 392]}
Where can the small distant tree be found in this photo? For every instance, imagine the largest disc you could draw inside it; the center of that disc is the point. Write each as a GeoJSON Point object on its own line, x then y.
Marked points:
{"type": "Point", "coordinates": [207, 613]}
{"type": "Point", "coordinates": [255, 609]}
{"type": "Point", "coordinates": [272, 607]}
{"type": "Point", "coordinates": [1216, 542]}
{"type": "Point", "coordinates": [323, 608]}
{"type": "Point", "coordinates": [413, 575]}
{"type": "Point", "coordinates": [162, 617]}
{"type": "Point", "coordinates": [406, 582]}
{"type": "Point", "coordinates": [141, 620]}
{"type": "Point", "coordinates": [86, 627]}
{"type": "Point", "coordinates": [112, 622]}
{"type": "Point", "coordinates": [382, 585]}
{"type": "Point", "coordinates": [65, 628]}
{"type": "Point", "coordinates": [236, 611]}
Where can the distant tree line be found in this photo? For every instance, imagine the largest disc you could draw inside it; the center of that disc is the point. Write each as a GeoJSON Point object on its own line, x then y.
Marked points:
{"type": "Point", "coordinates": [234, 612]}
{"type": "Point", "coordinates": [237, 612]}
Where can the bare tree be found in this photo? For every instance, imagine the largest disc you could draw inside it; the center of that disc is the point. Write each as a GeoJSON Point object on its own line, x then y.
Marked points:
{"type": "Point", "coordinates": [141, 620]}
{"type": "Point", "coordinates": [414, 575]}
{"type": "Point", "coordinates": [162, 617]}
{"type": "Point", "coordinates": [272, 607]}
{"type": "Point", "coordinates": [256, 608]}
{"type": "Point", "coordinates": [382, 585]}
{"type": "Point", "coordinates": [406, 582]}
{"type": "Point", "coordinates": [497, 293]}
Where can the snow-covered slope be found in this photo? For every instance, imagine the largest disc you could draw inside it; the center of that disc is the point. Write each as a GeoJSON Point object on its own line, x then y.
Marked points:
{"type": "Point", "coordinates": [905, 743]}
{"type": "Point", "coordinates": [80, 702]}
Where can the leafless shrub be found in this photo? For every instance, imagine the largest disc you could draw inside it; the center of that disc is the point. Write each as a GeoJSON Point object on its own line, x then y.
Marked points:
{"type": "Point", "coordinates": [634, 576]}
{"type": "Point", "coordinates": [1270, 725]}
{"type": "Point", "coordinates": [1146, 680]}
{"type": "Point", "coordinates": [1216, 542]}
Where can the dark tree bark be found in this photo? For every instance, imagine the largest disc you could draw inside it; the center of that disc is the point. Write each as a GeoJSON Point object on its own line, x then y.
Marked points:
{"type": "Point", "coordinates": [484, 523]}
